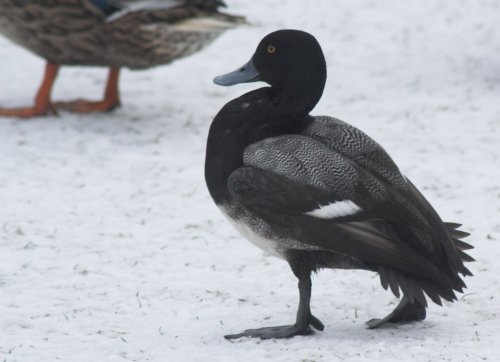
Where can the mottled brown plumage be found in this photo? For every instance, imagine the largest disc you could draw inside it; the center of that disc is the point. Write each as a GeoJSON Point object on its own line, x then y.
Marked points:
{"type": "Point", "coordinates": [137, 35]}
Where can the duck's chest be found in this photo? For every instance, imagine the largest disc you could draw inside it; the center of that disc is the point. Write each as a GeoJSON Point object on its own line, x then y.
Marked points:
{"type": "Point", "coordinates": [228, 139]}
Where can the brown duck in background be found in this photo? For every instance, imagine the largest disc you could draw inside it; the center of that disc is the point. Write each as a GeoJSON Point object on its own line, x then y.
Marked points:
{"type": "Point", "coordinates": [114, 34]}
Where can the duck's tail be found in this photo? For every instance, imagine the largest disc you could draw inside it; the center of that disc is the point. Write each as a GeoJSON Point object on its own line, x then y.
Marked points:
{"type": "Point", "coordinates": [455, 236]}
{"type": "Point", "coordinates": [414, 288]}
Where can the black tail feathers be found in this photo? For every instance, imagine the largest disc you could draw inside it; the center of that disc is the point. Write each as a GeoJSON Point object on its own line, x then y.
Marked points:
{"type": "Point", "coordinates": [413, 288]}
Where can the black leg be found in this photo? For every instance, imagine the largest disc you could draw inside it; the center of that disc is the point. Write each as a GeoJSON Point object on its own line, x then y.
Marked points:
{"type": "Point", "coordinates": [404, 312]}
{"type": "Point", "coordinates": [302, 324]}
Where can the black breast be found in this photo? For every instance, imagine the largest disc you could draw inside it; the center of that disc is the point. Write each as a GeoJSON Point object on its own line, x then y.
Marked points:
{"type": "Point", "coordinates": [245, 120]}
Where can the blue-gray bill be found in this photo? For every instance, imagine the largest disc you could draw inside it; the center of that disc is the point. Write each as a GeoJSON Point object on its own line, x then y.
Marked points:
{"type": "Point", "coordinates": [245, 74]}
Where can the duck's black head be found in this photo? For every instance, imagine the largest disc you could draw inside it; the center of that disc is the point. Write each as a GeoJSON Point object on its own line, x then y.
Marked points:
{"type": "Point", "coordinates": [291, 61]}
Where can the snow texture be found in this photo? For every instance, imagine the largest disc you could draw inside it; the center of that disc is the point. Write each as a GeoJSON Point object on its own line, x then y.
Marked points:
{"type": "Point", "coordinates": [112, 250]}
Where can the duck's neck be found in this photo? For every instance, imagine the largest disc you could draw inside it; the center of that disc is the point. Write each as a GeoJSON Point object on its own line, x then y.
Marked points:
{"type": "Point", "coordinates": [299, 96]}
{"type": "Point", "coordinates": [257, 115]}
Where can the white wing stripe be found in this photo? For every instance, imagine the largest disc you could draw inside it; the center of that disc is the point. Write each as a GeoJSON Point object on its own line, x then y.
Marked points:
{"type": "Point", "coordinates": [335, 209]}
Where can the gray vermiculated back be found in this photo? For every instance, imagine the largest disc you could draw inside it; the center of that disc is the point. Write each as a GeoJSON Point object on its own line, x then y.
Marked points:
{"type": "Point", "coordinates": [357, 146]}
{"type": "Point", "coordinates": [304, 160]}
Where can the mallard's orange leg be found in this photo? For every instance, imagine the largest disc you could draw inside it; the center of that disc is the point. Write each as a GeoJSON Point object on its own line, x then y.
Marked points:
{"type": "Point", "coordinates": [111, 98]}
{"type": "Point", "coordinates": [43, 103]}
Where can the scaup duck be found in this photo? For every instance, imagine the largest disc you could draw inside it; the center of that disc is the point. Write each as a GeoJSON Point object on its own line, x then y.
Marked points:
{"type": "Point", "coordinates": [110, 33]}
{"type": "Point", "coordinates": [319, 193]}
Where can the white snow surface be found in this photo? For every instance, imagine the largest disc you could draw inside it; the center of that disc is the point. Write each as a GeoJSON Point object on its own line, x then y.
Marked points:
{"type": "Point", "coordinates": [111, 248]}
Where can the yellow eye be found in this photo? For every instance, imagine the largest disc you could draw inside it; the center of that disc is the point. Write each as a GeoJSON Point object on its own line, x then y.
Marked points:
{"type": "Point", "coordinates": [271, 49]}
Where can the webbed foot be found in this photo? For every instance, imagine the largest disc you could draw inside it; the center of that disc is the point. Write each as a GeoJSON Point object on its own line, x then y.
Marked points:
{"type": "Point", "coordinates": [281, 331]}
{"type": "Point", "coordinates": [110, 101]}
{"type": "Point", "coordinates": [86, 106]}
{"type": "Point", "coordinates": [28, 112]}
{"type": "Point", "coordinates": [405, 312]}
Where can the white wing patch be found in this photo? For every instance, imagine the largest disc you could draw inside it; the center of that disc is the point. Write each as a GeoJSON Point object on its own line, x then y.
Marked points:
{"type": "Point", "coordinates": [335, 209]}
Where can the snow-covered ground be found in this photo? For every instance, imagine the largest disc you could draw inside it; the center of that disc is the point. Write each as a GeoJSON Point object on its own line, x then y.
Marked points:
{"type": "Point", "coordinates": [111, 248]}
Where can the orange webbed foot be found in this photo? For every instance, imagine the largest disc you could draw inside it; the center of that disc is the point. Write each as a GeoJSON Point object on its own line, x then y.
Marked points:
{"type": "Point", "coordinates": [28, 112]}
{"type": "Point", "coordinates": [86, 106]}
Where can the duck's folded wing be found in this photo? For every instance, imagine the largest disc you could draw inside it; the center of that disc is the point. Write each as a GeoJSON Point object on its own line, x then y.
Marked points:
{"type": "Point", "coordinates": [439, 238]}
{"type": "Point", "coordinates": [327, 201]}
{"type": "Point", "coordinates": [348, 229]}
